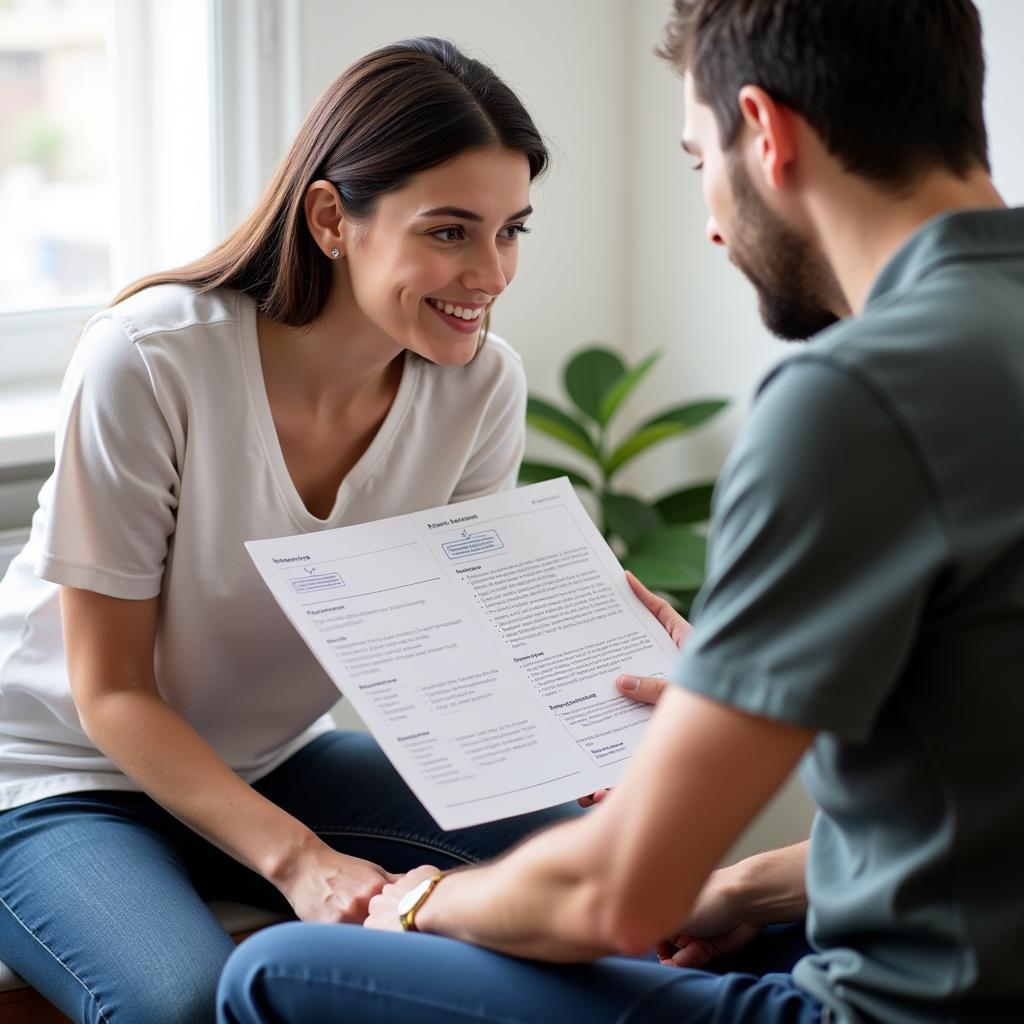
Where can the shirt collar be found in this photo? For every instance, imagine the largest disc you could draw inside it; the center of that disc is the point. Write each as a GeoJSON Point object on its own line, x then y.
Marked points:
{"type": "Point", "coordinates": [951, 237]}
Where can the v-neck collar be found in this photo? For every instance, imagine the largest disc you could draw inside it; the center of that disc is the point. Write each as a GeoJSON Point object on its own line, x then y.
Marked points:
{"type": "Point", "coordinates": [260, 404]}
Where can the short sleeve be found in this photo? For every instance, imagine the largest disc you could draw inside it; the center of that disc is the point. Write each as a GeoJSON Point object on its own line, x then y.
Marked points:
{"type": "Point", "coordinates": [826, 540]}
{"type": "Point", "coordinates": [115, 484]}
{"type": "Point", "coordinates": [493, 465]}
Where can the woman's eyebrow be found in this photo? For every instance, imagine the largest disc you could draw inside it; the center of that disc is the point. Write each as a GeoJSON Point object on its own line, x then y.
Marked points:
{"type": "Point", "coordinates": [462, 214]}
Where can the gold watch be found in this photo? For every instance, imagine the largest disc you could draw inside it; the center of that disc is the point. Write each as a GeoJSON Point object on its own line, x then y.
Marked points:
{"type": "Point", "coordinates": [410, 903]}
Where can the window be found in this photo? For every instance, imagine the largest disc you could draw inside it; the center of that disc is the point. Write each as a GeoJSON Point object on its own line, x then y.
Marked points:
{"type": "Point", "coordinates": [105, 161]}
{"type": "Point", "coordinates": [133, 134]}
{"type": "Point", "coordinates": [54, 180]}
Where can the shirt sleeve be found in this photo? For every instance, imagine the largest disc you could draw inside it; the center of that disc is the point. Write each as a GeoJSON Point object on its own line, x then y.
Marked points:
{"type": "Point", "coordinates": [826, 538]}
{"type": "Point", "coordinates": [494, 463]}
{"type": "Point", "coordinates": [115, 482]}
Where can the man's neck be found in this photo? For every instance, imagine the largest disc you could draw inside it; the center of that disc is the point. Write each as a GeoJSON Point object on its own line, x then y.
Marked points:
{"type": "Point", "coordinates": [860, 228]}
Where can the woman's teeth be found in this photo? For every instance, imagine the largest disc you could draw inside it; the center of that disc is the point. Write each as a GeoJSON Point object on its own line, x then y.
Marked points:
{"type": "Point", "coordinates": [464, 314]}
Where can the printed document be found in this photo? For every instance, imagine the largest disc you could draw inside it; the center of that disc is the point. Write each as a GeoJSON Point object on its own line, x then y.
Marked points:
{"type": "Point", "coordinates": [480, 643]}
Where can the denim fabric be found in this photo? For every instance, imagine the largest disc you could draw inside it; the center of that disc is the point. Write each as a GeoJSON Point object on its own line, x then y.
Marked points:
{"type": "Point", "coordinates": [101, 894]}
{"type": "Point", "coordinates": [309, 974]}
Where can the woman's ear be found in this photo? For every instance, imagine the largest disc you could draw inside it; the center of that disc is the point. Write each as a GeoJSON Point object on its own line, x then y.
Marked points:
{"type": "Point", "coordinates": [325, 218]}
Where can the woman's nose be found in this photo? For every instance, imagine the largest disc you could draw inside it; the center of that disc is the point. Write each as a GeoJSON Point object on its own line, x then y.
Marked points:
{"type": "Point", "coordinates": [486, 272]}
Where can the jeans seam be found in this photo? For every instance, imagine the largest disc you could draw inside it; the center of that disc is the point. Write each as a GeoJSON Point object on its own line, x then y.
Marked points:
{"type": "Point", "coordinates": [414, 1000]}
{"type": "Point", "coordinates": [397, 838]}
{"type": "Point", "coordinates": [45, 946]}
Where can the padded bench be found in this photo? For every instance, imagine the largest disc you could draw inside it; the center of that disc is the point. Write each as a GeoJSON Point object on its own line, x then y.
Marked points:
{"type": "Point", "coordinates": [20, 1004]}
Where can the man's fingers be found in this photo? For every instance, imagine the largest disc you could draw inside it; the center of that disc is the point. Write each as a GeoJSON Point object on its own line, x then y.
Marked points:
{"type": "Point", "coordinates": [645, 689]}
{"type": "Point", "coordinates": [694, 954]}
{"type": "Point", "coordinates": [593, 798]}
{"type": "Point", "coordinates": [683, 951]}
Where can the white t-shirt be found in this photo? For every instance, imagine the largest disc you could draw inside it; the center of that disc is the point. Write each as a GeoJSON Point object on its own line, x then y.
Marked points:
{"type": "Point", "coordinates": [167, 461]}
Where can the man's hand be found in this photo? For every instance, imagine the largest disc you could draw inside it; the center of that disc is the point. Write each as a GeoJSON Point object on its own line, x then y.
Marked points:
{"type": "Point", "coordinates": [646, 689]}
{"type": "Point", "coordinates": [383, 915]}
{"type": "Point", "coordinates": [718, 925]}
{"type": "Point", "coordinates": [737, 902]}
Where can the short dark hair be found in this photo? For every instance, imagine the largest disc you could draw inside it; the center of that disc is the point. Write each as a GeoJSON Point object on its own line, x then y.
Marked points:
{"type": "Point", "coordinates": [893, 87]}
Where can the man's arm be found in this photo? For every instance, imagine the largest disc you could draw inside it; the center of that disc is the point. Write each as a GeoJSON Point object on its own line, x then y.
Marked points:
{"type": "Point", "coordinates": [627, 874]}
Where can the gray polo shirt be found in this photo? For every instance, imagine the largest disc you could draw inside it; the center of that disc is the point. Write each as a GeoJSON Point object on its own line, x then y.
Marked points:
{"type": "Point", "coordinates": [866, 579]}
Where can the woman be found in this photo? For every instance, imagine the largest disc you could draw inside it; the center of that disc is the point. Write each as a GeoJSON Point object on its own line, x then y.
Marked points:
{"type": "Point", "coordinates": [325, 365]}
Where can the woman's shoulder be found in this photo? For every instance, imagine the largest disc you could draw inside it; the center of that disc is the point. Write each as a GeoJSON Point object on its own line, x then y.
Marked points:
{"type": "Point", "coordinates": [176, 308]}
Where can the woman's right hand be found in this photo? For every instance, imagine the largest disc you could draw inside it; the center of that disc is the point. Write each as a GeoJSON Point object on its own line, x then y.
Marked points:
{"type": "Point", "coordinates": [329, 887]}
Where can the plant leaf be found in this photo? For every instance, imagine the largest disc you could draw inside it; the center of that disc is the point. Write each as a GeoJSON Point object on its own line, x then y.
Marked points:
{"type": "Point", "coordinates": [689, 505]}
{"type": "Point", "coordinates": [617, 393]}
{"type": "Point", "coordinates": [690, 415]}
{"type": "Point", "coordinates": [638, 442]}
{"type": "Point", "coordinates": [669, 558]}
{"type": "Point", "coordinates": [552, 421]}
{"type": "Point", "coordinates": [535, 472]}
{"type": "Point", "coordinates": [588, 377]}
{"type": "Point", "coordinates": [628, 517]}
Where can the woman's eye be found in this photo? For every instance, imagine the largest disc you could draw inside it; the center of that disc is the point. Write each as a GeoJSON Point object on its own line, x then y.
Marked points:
{"type": "Point", "coordinates": [447, 234]}
{"type": "Point", "coordinates": [513, 231]}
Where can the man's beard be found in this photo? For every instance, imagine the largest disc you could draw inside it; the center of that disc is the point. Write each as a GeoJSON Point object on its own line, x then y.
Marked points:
{"type": "Point", "coordinates": [797, 290]}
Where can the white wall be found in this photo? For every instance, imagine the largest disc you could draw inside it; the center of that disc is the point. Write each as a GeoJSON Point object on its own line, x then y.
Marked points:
{"type": "Point", "coordinates": [1002, 23]}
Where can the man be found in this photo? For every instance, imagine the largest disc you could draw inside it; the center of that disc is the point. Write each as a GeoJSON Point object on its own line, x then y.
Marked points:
{"type": "Point", "coordinates": [864, 608]}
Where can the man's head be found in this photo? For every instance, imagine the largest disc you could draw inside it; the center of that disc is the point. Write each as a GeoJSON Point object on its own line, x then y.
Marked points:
{"type": "Point", "coordinates": [888, 91]}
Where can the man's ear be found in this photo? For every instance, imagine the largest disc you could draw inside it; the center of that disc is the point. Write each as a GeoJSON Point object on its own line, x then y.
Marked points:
{"type": "Point", "coordinates": [774, 133]}
{"type": "Point", "coordinates": [325, 217]}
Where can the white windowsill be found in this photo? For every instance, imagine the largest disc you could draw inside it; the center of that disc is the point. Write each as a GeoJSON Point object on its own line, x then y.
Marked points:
{"type": "Point", "coordinates": [28, 415]}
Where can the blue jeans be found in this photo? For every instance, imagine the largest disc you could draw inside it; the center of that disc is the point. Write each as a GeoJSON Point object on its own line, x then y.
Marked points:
{"type": "Point", "coordinates": [101, 894]}
{"type": "Point", "coordinates": [310, 973]}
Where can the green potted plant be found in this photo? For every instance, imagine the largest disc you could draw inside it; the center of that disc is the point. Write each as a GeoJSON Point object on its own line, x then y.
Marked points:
{"type": "Point", "coordinates": [662, 541]}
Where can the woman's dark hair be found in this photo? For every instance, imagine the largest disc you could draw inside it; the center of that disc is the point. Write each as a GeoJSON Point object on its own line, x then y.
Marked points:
{"type": "Point", "coordinates": [892, 87]}
{"type": "Point", "coordinates": [395, 112]}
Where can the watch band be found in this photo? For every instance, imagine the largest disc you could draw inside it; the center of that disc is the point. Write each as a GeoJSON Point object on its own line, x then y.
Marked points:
{"type": "Point", "coordinates": [408, 919]}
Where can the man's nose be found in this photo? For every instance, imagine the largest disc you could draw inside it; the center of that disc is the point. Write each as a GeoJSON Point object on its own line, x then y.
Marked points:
{"type": "Point", "coordinates": [713, 233]}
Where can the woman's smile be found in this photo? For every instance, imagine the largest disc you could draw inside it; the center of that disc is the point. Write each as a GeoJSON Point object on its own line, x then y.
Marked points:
{"type": "Point", "coordinates": [463, 318]}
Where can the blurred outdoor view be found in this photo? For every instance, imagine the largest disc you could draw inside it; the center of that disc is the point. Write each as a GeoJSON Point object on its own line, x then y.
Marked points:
{"type": "Point", "coordinates": [55, 152]}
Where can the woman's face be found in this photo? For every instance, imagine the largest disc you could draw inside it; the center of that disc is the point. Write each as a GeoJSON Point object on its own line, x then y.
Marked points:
{"type": "Point", "coordinates": [428, 264]}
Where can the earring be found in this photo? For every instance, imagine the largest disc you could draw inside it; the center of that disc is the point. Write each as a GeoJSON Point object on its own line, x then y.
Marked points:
{"type": "Point", "coordinates": [335, 254]}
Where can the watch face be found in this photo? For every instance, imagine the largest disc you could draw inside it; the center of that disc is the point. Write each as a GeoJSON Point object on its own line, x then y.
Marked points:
{"type": "Point", "coordinates": [408, 901]}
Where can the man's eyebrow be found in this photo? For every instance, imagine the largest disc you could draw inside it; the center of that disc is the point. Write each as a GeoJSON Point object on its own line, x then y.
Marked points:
{"type": "Point", "coordinates": [462, 214]}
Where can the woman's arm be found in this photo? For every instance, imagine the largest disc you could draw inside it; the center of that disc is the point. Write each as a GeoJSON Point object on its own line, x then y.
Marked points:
{"type": "Point", "coordinates": [109, 643]}
{"type": "Point", "coordinates": [623, 877]}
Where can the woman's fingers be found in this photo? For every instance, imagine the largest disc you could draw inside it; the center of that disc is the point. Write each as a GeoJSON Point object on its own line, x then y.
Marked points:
{"type": "Point", "coordinates": [673, 623]}
{"type": "Point", "coordinates": [645, 689]}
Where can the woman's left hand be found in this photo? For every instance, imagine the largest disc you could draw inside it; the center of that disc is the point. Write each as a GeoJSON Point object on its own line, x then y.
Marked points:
{"type": "Point", "coordinates": [383, 914]}
{"type": "Point", "coordinates": [672, 622]}
{"type": "Point", "coordinates": [646, 689]}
